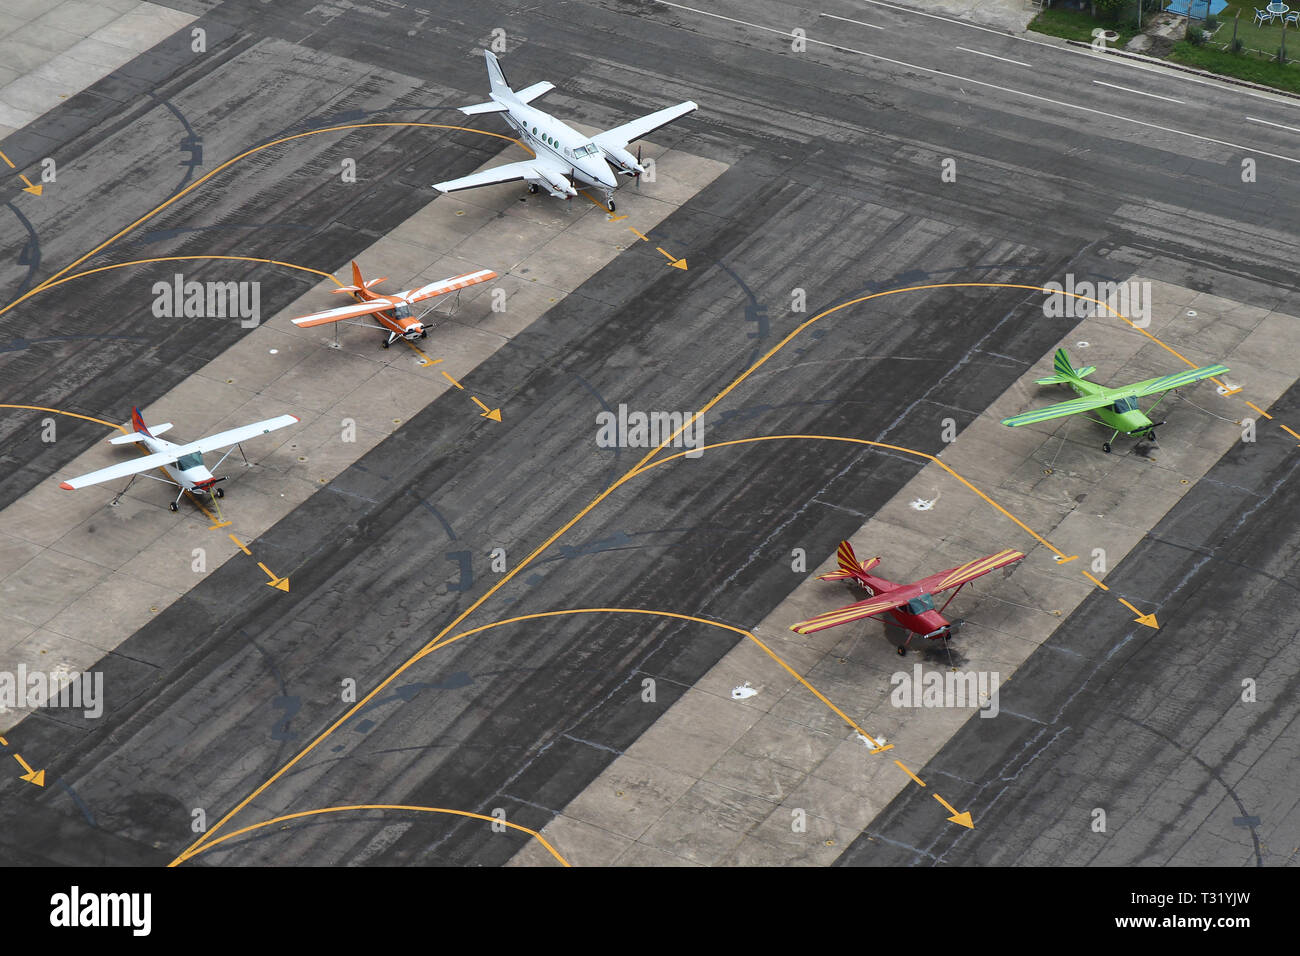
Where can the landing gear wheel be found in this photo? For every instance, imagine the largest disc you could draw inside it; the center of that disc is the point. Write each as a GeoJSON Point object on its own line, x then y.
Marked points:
{"type": "Point", "coordinates": [609, 204]}
{"type": "Point", "coordinates": [385, 345]}
{"type": "Point", "coordinates": [174, 506]}
{"type": "Point", "coordinates": [532, 188]}
{"type": "Point", "coordinates": [220, 493]}
{"type": "Point", "coordinates": [1151, 435]}
{"type": "Point", "coordinates": [424, 335]}
{"type": "Point", "coordinates": [1105, 446]}
{"type": "Point", "coordinates": [902, 651]}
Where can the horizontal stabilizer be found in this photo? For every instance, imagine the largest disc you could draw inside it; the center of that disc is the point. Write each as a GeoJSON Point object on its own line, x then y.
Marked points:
{"type": "Point", "coordinates": [154, 430]}
{"type": "Point", "coordinates": [530, 93]}
{"type": "Point", "coordinates": [1060, 379]}
{"type": "Point", "coordinates": [483, 108]}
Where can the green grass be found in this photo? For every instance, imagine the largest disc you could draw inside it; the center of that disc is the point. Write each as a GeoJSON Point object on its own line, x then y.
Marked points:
{"type": "Point", "coordinates": [1243, 66]}
{"type": "Point", "coordinates": [1077, 25]}
{"type": "Point", "coordinates": [1265, 39]}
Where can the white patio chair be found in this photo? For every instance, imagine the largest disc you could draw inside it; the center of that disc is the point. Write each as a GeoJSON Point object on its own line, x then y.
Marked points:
{"type": "Point", "coordinates": [1262, 17]}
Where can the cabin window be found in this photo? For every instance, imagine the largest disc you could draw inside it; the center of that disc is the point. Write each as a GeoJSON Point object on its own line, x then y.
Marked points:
{"type": "Point", "coordinates": [921, 604]}
{"type": "Point", "coordinates": [1123, 405]}
{"type": "Point", "coordinates": [186, 462]}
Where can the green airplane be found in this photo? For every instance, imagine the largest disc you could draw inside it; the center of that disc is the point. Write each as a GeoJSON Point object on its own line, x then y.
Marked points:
{"type": "Point", "coordinates": [1117, 407]}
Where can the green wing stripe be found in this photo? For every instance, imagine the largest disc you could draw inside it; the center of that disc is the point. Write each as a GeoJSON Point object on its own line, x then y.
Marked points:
{"type": "Point", "coordinates": [1177, 380]}
{"type": "Point", "coordinates": [1060, 410]}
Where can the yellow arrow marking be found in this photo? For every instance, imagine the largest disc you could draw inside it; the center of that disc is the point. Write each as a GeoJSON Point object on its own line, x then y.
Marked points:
{"type": "Point", "coordinates": [494, 413]}
{"type": "Point", "coordinates": [639, 235]}
{"type": "Point", "coordinates": [239, 544]}
{"type": "Point", "coordinates": [677, 263]}
{"type": "Point", "coordinates": [452, 380]}
{"type": "Point", "coordinates": [281, 584]}
{"type": "Point", "coordinates": [963, 818]}
{"type": "Point", "coordinates": [34, 190]}
{"type": "Point", "coordinates": [1148, 619]}
{"type": "Point", "coordinates": [31, 776]}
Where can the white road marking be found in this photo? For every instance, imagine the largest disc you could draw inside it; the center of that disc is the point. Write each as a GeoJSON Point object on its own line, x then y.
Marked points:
{"type": "Point", "coordinates": [991, 56]}
{"type": "Point", "coordinates": [831, 16]}
{"type": "Point", "coordinates": [993, 86]}
{"type": "Point", "coordinates": [1139, 92]}
{"type": "Point", "coordinates": [1251, 119]}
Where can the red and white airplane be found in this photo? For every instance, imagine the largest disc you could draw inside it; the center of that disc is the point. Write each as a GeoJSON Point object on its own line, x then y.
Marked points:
{"type": "Point", "coordinates": [391, 310]}
{"type": "Point", "coordinates": [183, 464]}
{"type": "Point", "coordinates": [912, 605]}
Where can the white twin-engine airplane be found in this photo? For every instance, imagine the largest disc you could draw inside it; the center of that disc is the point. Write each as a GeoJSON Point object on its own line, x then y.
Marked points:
{"type": "Point", "coordinates": [182, 463]}
{"type": "Point", "coordinates": [564, 157]}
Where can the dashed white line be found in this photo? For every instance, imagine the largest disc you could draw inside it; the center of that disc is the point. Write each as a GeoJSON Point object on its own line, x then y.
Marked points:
{"type": "Point", "coordinates": [1251, 119]}
{"type": "Point", "coordinates": [1154, 96]}
{"type": "Point", "coordinates": [992, 86]}
{"type": "Point", "coordinates": [831, 16]}
{"type": "Point", "coordinates": [991, 56]}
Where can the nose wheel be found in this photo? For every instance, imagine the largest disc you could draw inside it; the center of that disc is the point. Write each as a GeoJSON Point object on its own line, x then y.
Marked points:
{"type": "Point", "coordinates": [609, 204]}
{"type": "Point", "coordinates": [532, 188]}
{"type": "Point", "coordinates": [219, 492]}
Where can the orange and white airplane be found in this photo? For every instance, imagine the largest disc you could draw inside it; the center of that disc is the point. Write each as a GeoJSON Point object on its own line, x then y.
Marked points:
{"type": "Point", "coordinates": [392, 310]}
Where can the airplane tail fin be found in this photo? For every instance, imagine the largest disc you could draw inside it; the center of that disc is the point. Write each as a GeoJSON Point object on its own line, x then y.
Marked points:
{"type": "Point", "coordinates": [850, 566]}
{"type": "Point", "coordinates": [358, 284]}
{"type": "Point", "coordinates": [137, 422]}
{"type": "Point", "coordinates": [1065, 372]}
{"type": "Point", "coordinates": [495, 74]}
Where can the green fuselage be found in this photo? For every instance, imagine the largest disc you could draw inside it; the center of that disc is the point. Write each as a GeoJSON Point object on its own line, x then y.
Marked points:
{"type": "Point", "coordinates": [1122, 414]}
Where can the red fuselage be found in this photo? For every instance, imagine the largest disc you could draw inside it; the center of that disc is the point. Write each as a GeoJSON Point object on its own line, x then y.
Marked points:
{"type": "Point", "coordinates": [918, 615]}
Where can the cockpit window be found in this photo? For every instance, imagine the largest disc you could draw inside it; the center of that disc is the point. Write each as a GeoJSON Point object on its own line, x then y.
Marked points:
{"type": "Point", "coordinates": [921, 604]}
{"type": "Point", "coordinates": [587, 150]}
{"type": "Point", "coordinates": [1129, 404]}
{"type": "Point", "coordinates": [402, 312]}
{"type": "Point", "coordinates": [186, 462]}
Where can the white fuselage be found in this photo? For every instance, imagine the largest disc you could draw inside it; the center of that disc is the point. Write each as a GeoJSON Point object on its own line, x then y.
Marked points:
{"type": "Point", "coordinates": [188, 472]}
{"type": "Point", "coordinates": [561, 150]}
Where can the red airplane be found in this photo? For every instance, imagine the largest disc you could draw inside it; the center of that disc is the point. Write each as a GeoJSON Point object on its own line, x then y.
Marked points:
{"type": "Point", "coordinates": [911, 604]}
{"type": "Point", "coordinates": [391, 310]}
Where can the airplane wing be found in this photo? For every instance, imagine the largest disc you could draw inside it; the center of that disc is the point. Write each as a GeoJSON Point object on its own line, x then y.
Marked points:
{"type": "Point", "coordinates": [1061, 409]}
{"type": "Point", "coordinates": [954, 577]}
{"type": "Point", "coordinates": [510, 172]}
{"type": "Point", "coordinates": [135, 466]}
{"type": "Point", "coordinates": [443, 286]}
{"type": "Point", "coordinates": [234, 436]}
{"type": "Point", "coordinates": [1178, 379]}
{"type": "Point", "coordinates": [343, 312]}
{"type": "Point", "coordinates": [620, 136]}
{"type": "Point", "coordinates": [843, 615]}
